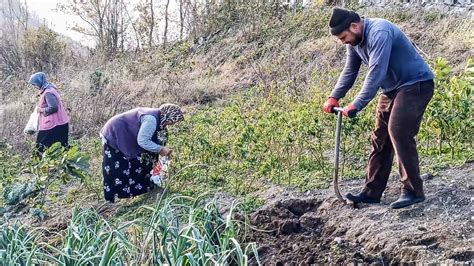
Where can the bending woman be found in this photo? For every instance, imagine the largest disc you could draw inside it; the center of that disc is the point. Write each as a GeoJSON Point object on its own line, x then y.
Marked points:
{"type": "Point", "coordinates": [131, 142]}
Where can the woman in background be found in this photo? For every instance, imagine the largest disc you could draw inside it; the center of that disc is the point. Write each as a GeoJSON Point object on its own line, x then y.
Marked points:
{"type": "Point", "coordinates": [131, 142]}
{"type": "Point", "coordinates": [53, 122]}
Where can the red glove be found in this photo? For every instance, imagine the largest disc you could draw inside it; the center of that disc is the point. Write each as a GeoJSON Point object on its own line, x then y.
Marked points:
{"type": "Point", "coordinates": [350, 111]}
{"type": "Point", "coordinates": [329, 104]}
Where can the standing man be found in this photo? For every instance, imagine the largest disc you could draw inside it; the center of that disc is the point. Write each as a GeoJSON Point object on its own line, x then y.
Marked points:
{"type": "Point", "coordinates": [395, 66]}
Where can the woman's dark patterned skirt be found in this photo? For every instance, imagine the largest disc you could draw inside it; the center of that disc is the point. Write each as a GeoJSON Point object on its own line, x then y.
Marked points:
{"type": "Point", "coordinates": [125, 178]}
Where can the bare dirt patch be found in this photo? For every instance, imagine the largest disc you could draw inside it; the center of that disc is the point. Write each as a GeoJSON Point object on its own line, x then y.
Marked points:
{"type": "Point", "coordinates": [306, 228]}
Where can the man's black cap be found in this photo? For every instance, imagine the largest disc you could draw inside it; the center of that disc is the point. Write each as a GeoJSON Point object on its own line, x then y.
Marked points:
{"type": "Point", "coordinates": [341, 19]}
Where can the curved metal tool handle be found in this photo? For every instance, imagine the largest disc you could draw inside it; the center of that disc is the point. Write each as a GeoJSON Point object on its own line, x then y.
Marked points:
{"type": "Point", "coordinates": [336, 153]}
{"type": "Point", "coordinates": [339, 110]}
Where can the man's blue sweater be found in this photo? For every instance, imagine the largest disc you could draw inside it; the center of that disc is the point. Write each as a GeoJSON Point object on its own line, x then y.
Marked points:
{"type": "Point", "coordinates": [393, 62]}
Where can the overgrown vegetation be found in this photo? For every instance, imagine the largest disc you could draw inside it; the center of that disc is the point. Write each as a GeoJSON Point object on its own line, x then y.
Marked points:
{"type": "Point", "coordinates": [278, 137]}
{"type": "Point", "coordinates": [174, 231]}
{"type": "Point", "coordinates": [9, 166]}
{"type": "Point", "coordinates": [43, 50]}
{"type": "Point", "coordinates": [34, 180]}
{"type": "Point", "coordinates": [449, 120]}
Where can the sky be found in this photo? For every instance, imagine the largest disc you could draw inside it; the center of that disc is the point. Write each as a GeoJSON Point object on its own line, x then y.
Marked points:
{"type": "Point", "coordinates": [59, 22]}
{"type": "Point", "coordinates": [62, 23]}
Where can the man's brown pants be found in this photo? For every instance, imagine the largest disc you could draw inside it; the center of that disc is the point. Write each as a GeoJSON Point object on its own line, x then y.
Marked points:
{"type": "Point", "coordinates": [398, 121]}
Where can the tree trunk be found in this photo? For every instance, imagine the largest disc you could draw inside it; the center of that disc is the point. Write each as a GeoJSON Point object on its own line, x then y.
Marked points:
{"type": "Point", "coordinates": [25, 25]}
{"type": "Point", "coordinates": [152, 24]}
{"type": "Point", "coordinates": [122, 23]}
{"type": "Point", "coordinates": [181, 19]}
{"type": "Point", "coordinates": [165, 34]}
{"type": "Point", "coordinates": [194, 20]}
{"type": "Point", "coordinates": [135, 31]}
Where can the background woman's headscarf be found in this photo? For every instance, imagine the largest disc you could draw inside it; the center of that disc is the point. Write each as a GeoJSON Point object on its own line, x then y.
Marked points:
{"type": "Point", "coordinates": [39, 79]}
{"type": "Point", "coordinates": [170, 114]}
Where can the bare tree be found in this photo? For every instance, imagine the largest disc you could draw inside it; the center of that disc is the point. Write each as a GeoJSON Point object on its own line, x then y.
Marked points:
{"type": "Point", "coordinates": [146, 22]}
{"type": "Point", "coordinates": [135, 29]}
{"type": "Point", "coordinates": [104, 19]}
{"type": "Point", "coordinates": [14, 24]}
{"type": "Point", "coordinates": [152, 24]}
{"type": "Point", "coordinates": [193, 19]}
{"type": "Point", "coordinates": [23, 15]}
{"type": "Point", "coordinates": [181, 18]}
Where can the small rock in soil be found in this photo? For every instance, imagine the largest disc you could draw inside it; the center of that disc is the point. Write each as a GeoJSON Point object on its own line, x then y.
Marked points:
{"type": "Point", "coordinates": [310, 260]}
{"type": "Point", "coordinates": [427, 176]}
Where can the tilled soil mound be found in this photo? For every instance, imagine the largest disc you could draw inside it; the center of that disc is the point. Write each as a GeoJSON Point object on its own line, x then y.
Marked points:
{"type": "Point", "coordinates": [303, 229]}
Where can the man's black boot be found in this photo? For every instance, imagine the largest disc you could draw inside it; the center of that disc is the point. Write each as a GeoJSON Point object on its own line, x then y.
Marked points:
{"type": "Point", "coordinates": [406, 199]}
{"type": "Point", "coordinates": [361, 198]}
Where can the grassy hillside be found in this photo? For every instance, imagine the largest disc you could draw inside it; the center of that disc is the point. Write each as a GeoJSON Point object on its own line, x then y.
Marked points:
{"type": "Point", "coordinates": [253, 95]}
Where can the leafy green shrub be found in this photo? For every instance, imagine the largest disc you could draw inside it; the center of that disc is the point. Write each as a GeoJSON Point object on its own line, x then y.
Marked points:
{"type": "Point", "coordinates": [9, 166]}
{"type": "Point", "coordinates": [57, 164]}
{"type": "Point", "coordinates": [449, 125]}
{"type": "Point", "coordinates": [42, 49]}
{"type": "Point", "coordinates": [97, 82]}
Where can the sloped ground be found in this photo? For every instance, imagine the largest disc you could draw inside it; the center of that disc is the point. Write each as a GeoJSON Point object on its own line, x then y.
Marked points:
{"type": "Point", "coordinates": [295, 228]}
{"type": "Point", "coordinates": [301, 229]}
